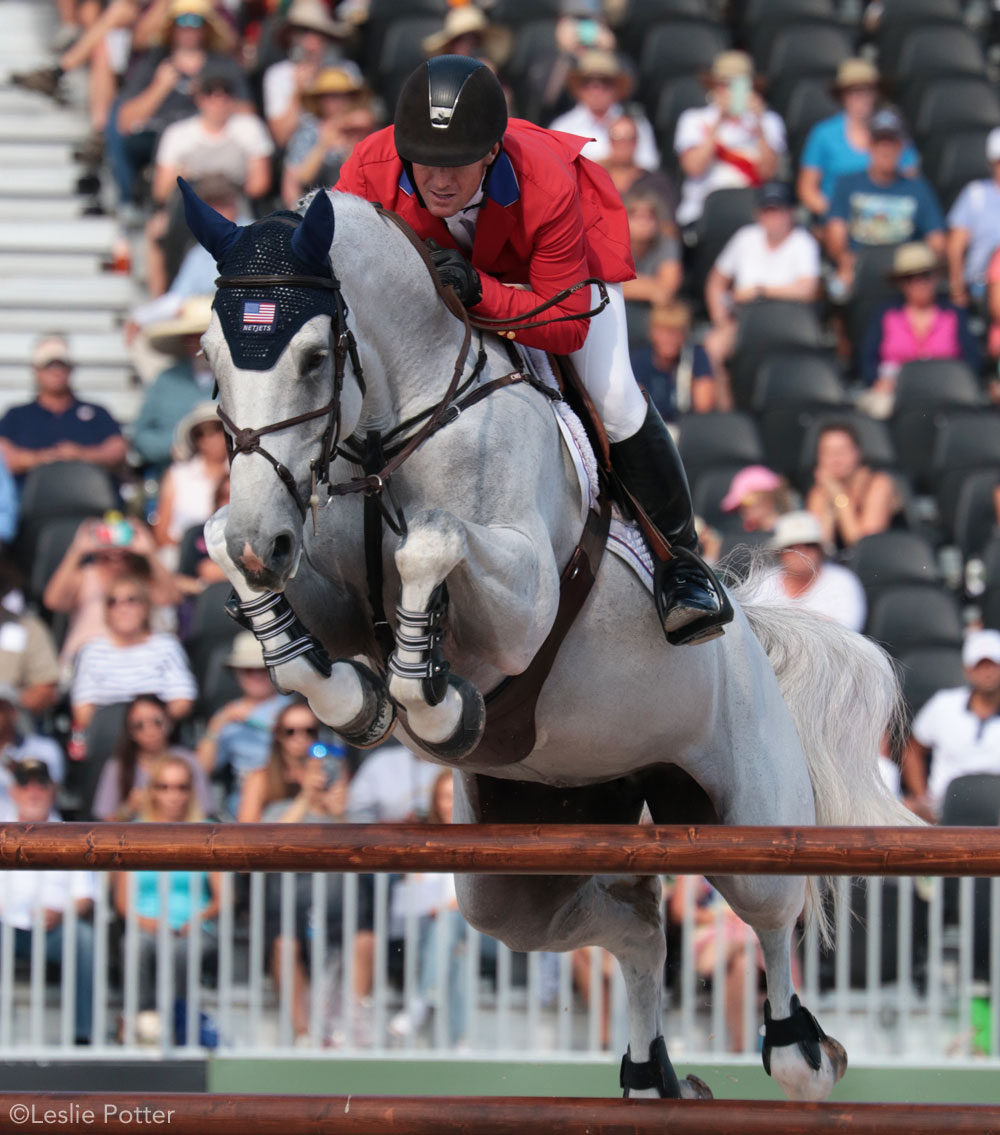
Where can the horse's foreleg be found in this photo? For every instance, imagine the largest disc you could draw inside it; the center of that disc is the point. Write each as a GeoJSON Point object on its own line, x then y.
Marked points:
{"type": "Point", "coordinates": [345, 694]}
{"type": "Point", "coordinates": [505, 599]}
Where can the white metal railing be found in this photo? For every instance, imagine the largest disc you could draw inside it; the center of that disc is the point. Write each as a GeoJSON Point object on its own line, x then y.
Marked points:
{"type": "Point", "coordinates": [483, 998]}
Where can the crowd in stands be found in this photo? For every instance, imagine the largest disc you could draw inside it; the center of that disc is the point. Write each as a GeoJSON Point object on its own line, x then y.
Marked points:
{"type": "Point", "coordinates": [814, 208]}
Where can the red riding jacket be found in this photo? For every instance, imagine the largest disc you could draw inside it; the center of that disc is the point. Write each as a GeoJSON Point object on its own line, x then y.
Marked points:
{"type": "Point", "coordinates": [551, 219]}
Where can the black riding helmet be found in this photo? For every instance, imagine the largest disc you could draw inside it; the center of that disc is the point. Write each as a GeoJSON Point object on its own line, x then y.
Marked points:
{"type": "Point", "coordinates": [451, 112]}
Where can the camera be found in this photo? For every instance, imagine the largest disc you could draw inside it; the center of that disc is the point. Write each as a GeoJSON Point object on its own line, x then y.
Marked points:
{"type": "Point", "coordinates": [332, 757]}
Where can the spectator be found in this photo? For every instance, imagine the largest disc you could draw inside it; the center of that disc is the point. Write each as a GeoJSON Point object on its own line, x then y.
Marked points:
{"type": "Point", "coordinates": [338, 116]}
{"type": "Point", "coordinates": [974, 231]}
{"type": "Point", "coordinates": [432, 900]}
{"type": "Point", "coordinates": [392, 784]}
{"type": "Point", "coordinates": [160, 90]}
{"type": "Point", "coordinates": [193, 896]}
{"type": "Point", "coordinates": [297, 785]}
{"type": "Point", "coordinates": [675, 373]}
{"type": "Point", "coordinates": [627, 174]}
{"type": "Point", "coordinates": [28, 660]}
{"type": "Point", "coordinates": [22, 893]}
{"type": "Point", "coordinates": [102, 553]}
{"type": "Point", "coordinates": [805, 578]}
{"type": "Point", "coordinates": [130, 659]}
{"type": "Point", "coordinates": [600, 85]}
{"type": "Point", "coordinates": [145, 740]}
{"type": "Point", "coordinates": [8, 504]}
{"type": "Point", "coordinates": [196, 569]}
{"type": "Point", "coordinates": [312, 41]}
{"type": "Point", "coordinates": [773, 259]}
{"type": "Point", "coordinates": [17, 746]}
{"type": "Point", "coordinates": [919, 327]}
{"type": "Point", "coordinates": [733, 142]}
{"type": "Point", "coordinates": [848, 500]}
{"type": "Point", "coordinates": [189, 486]}
{"type": "Point", "coordinates": [760, 496]}
{"type": "Point", "coordinates": [957, 731]}
{"type": "Point", "coordinates": [880, 206]}
{"type": "Point", "coordinates": [467, 31]}
{"type": "Point", "coordinates": [179, 388]}
{"type": "Point", "coordinates": [842, 143]}
{"type": "Point", "coordinates": [57, 426]}
{"type": "Point", "coordinates": [238, 736]}
{"type": "Point", "coordinates": [656, 252]}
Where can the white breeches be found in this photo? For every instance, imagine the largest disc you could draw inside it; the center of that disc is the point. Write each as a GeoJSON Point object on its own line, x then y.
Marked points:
{"type": "Point", "coordinates": [606, 371]}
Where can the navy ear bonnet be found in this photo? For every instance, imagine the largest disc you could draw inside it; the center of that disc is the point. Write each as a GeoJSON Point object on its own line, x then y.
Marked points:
{"type": "Point", "coordinates": [260, 320]}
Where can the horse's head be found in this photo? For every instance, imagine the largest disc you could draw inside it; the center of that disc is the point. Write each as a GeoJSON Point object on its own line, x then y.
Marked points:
{"type": "Point", "coordinates": [286, 394]}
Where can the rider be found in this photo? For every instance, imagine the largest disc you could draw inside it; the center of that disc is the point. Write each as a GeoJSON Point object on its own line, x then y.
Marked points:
{"type": "Point", "coordinates": [515, 215]}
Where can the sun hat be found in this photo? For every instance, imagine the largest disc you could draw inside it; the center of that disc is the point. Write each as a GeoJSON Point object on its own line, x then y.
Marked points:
{"type": "Point", "coordinates": [752, 479]}
{"type": "Point", "coordinates": [343, 79]}
{"type": "Point", "coordinates": [193, 319]}
{"type": "Point", "coordinates": [469, 20]}
{"type": "Point", "coordinates": [51, 349]}
{"type": "Point", "coordinates": [794, 528]}
{"type": "Point", "coordinates": [913, 259]}
{"type": "Point", "coordinates": [183, 447]}
{"type": "Point", "coordinates": [604, 65]}
{"type": "Point", "coordinates": [246, 653]}
{"type": "Point", "coordinates": [855, 72]}
{"type": "Point", "coordinates": [220, 35]}
{"type": "Point", "coordinates": [981, 646]}
{"type": "Point", "coordinates": [311, 15]}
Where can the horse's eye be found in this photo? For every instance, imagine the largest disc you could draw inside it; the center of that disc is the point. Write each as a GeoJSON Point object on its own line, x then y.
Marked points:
{"type": "Point", "coordinates": [314, 360]}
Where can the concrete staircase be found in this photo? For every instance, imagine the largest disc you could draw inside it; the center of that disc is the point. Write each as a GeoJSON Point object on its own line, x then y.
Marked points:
{"type": "Point", "coordinates": [52, 275]}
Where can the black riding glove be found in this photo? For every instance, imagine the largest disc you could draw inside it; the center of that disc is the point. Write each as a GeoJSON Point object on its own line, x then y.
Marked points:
{"type": "Point", "coordinates": [453, 268]}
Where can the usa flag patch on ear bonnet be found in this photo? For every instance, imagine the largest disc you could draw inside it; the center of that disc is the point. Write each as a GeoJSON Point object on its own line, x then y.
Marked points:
{"type": "Point", "coordinates": [259, 316]}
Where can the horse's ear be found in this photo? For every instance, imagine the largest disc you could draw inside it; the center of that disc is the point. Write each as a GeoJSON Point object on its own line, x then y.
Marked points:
{"type": "Point", "coordinates": [213, 231]}
{"type": "Point", "coordinates": [311, 241]}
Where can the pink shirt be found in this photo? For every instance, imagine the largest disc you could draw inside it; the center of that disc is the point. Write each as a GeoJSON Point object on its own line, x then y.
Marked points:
{"type": "Point", "coordinates": [900, 343]}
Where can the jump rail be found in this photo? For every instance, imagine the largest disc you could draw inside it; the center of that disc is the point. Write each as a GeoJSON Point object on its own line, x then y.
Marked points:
{"type": "Point", "coordinates": [503, 849]}
{"type": "Point", "coordinates": [75, 1113]}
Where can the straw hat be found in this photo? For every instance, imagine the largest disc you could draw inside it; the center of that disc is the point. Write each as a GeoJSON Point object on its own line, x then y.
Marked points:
{"type": "Point", "coordinates": [312, 15]}
{"type": "Point", "coordinates": [246, 653]}
{"type": "Point", "coordinates": [913, 259]}
{"type": "Point", "coordinates": [193, 319]}
{"type": "Point", "coordinates": [468, 20]}
{"type": "Point", "coordinates": [344, 79]}
{"type": "Point", "coordinates": [220, 35]}
{"type": "Point", "coordinates": [604, 64]}
{"type": "Point", "coordinates": [729, 65]}
{"type": "Point", "coordinates": [855, 72]}
{"type": "Point", "coordinates": [183, 447]}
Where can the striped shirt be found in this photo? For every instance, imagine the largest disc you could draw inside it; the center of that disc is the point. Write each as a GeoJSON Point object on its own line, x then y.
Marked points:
{"type": "Point", "coordinates": [106, 673]}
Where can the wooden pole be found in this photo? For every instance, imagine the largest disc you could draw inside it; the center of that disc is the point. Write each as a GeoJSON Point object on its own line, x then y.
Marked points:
{"type": "Point", "coordinates": [78, 1113]}
{"type": "Point", "coordinates": [503, 849]}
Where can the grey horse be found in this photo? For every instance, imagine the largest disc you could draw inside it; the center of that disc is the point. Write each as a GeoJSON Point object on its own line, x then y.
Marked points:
{"type": "Point", "coordinates": [777, 722]}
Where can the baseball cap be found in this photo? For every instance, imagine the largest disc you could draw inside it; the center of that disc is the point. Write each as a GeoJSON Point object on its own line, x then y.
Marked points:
{"type": "Point", "coordinates": [775, 195]}
{"type": "Point", "coordinates": [51, 349]}
{"type": "Point", "coordinates": [752, 479]}
{"type": "Point", "coordinates": [981, 646]}
{"type": "Point", "coordinates": [886, 123]}
{"type": "Point", "coordinates": [993, 145]}
{"type": "Point", "coordinates": [31, 768]}
{"type": "Point", "coordinates": [794, 528]}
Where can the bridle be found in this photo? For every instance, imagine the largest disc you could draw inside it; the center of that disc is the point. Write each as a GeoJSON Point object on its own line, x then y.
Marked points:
{"type": "Point", "coordinates": [378, 460]}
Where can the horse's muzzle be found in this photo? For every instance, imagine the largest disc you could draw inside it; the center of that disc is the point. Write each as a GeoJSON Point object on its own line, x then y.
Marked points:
{"type": "Point", "coordinates": [272, 570]}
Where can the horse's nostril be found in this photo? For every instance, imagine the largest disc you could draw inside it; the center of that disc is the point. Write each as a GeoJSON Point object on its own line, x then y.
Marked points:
{"type": "Point", "coordinates": [281, 550]}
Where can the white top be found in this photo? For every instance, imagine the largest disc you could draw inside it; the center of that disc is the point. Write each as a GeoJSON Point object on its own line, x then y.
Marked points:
{"type": "Point", "coordinates": [21, 892]}
{"type": "Point", "coordinates": [278, 88]}
{"type": "Point", "coordinates": [961, 742]}
{"type": "Point", "coordinates": [738, 135]}
{"type": "Point", "coordinates": [194, 495]}
{"type": "Point", "coordinates": [188, 146]}
{"type": "Point", "coordinates": [750, 262]}
{"type": "Point", "coordinates": [391, 784]}
{"type": "Point", "coordinates": [580, 121]}
{"type": "Point", "coordinates": [836, 594]}
{"type": "Point", "coordinates": [106, 674]}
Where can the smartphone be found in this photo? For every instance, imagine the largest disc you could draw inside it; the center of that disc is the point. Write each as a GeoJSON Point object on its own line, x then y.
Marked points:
{"type": "Point", "coordinates": [739, 95]}
{"type": "Point", "coordinates": [587, 32]}
{"type": "Point", "coordinates": [332, 757]}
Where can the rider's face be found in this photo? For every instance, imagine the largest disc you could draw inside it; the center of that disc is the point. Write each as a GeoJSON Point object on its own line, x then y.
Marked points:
{"type": "Point", "coordinates": [448, 189]}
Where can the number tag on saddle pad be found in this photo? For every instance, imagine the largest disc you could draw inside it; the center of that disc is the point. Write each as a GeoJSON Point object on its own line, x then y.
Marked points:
{"type": "Point", "coordinates": [259, 317]}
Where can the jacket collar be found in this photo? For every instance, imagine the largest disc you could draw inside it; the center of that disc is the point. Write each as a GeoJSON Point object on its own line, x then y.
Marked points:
{"type": "Point", "coordinates": [501, 187]}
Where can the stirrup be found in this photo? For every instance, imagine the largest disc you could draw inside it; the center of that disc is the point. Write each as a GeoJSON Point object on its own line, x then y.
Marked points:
{"type": "Point", "coordinates": [698, 630]}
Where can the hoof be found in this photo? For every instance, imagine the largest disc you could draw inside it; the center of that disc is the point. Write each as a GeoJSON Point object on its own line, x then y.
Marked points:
{"type": "Point", "coordinates": [470, 727]}
{"type": "Point", "coordinates": [695, 1088]}
{"type": "Point", "coordinates": [378, 715]}
{"type": "Point", "coordinates": [837, 1055]}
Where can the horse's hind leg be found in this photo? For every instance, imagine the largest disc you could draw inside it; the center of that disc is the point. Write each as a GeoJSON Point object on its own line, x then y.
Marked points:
{"type": "Point", "coordinates": [622, 914]}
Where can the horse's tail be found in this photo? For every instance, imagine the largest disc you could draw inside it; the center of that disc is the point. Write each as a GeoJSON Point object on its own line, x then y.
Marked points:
{"type": "Point", "coordinates": [844, 696]}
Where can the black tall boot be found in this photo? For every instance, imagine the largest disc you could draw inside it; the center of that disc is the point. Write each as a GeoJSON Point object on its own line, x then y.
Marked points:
{"type": "Point", "coordinates": [689, 598]}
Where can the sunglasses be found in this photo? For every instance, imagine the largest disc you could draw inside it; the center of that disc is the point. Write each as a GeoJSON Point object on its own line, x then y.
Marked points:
{"type": "Point", "coordinates": [164, 786]}
{"type": "Point", "coordinates": [291, 730]}
{"type": "Point", "coordinates": [115, 600]}
{"type": "Point", "coordinates": [35, 778]}
{"type": "Point", "coordinates": [189, 20]}
{"type": "Point", "coordinates": [146, 722]}
{"type": "Point", "coordinates": [596, 81]}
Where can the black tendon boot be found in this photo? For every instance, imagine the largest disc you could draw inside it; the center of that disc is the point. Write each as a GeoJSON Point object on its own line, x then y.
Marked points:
{"type": "Point", "coordinates": [689, 598]}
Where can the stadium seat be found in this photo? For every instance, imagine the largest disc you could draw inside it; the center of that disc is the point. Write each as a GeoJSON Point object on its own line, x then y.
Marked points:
{"type": "Point", "coordinates": [876, 444]}
{"type": "Point", "coordinates": [927, 669]}
{"type": "Point", "coordinates": [901, 17]}
{"type": "Point", "coordinates": [53, 541]}
{"type": "Point", "coordinates": [804, 49]}
{"type": "Point", "coordinates": [766, 328]}
{"type": "Point", "coordinates": [931, 52]}
{"type": "Point", "coordinates": [383, 14]}
{"type": "Point", "coordinates": [682, 93]}
{"type": "Point", "coordinates": [740, 550]}
{"type": "Point", "coordinates": [102, 737]}
{"type": "Point", "coordinates": [401, 52]}
{"type": "Point", "coordinates": [871, 290]}
{"type": "Point", "coordinates": [718, 441]}
{"type": "Point", "coordinates": [961, 159]}
{"type": "Point", "coordinates": [708, 494]}
{"type": "Point", "coordinates": [210, 627]}
{"type": "Point", "coordinates": [790, 390]}
{"type": "Point", "coordinates": [975, 512]}
{"type": "Point", "coordinates": [967, 442]}
{"type": "Point", "coordinates": [914, 615]}
{"type": "Point", "coordinates": [808, 101]}
{"type": "Point", "coordinates": [887, 559]}
{"type": "Point", "coordinates": [515, 13]}
{"type": "Point", "coordinates": [761, 20]}
{"type": "Point", "coordinates": [954, 104]}
{"type": "Point", "coordinates": [641, 15]}
{"type": "Point", "coordinates": [670, 50]}
{"type": "Point", "coordinates": [530, 63]}
{"type": "Point", "coordinates": [216, 685]}
{"type": "Point", "coordinates": [725, 212]}
{"type": "Point", "coordinates": [927, 391]}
